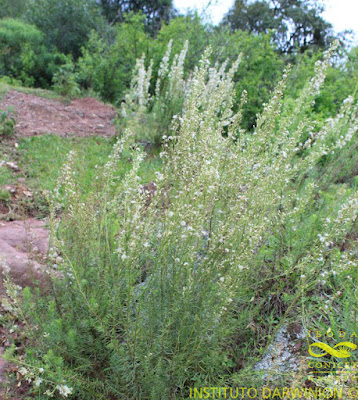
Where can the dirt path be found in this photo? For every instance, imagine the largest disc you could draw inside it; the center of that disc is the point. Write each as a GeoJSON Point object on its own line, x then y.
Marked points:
{"type": "Point", "coordinates": [38, 115]}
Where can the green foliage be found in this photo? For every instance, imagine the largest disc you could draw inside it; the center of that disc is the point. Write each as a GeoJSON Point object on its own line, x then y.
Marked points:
{"type": "Point", "coordinates": [298, 24]}
{"type": "Point", "coordinates": [179, 30]}
{"type": "Point", "coordinates": [156, 11]}
{"type": "Point", "coordinates": [7, 123]}
{"type": "Point", "coordinates": [4, 196]}
{"type": "Point", "coordinates": [24, 55]}
{"type": "Point", "coordinates": [6, 176]}
{"type": "Point", "coordinates": [66, 24]}
{"type": "Point", "coordinates": [259, 71]}
{"type": "Point", "coordinates": [65, 80]}
{"type": "Point", "coordinates": [13, 8]}
{"type": "Point", "coordinates": [106, 63]}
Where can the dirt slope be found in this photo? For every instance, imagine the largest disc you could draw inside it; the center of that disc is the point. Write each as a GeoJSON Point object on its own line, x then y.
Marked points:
{"type": "Point", "coordinates": [38, 115]}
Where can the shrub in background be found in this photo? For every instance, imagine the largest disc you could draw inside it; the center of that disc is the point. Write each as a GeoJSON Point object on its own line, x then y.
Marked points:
{"type": "Point", "coordinates": [24, 55]}
{"type": "Point", "coordinates": [13, 8]}
{"type": "Point", "coordinates": [190, 28]}
{"type": "Point", "coordinates": [106, 62]}
{"type": "Point", "coordinates": [150, 117]}
{"type": "Point", "coordinates": [66, 24]}
{"type": "Point", "coordinates": [65, 80]}
{"type": "Point", "coordinates": [7, 122]}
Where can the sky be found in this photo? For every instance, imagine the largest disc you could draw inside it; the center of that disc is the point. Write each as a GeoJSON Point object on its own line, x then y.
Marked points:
{"type": "Point", "coordinates": [342, 14]}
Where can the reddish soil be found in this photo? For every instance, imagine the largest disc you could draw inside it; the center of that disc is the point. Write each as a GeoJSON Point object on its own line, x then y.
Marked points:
{"type": "Point", "coordinates": [38, 115]}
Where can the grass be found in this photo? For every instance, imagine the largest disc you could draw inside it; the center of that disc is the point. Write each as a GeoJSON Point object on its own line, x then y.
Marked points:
{"type": "Point", "coordinates": [6, 176]}
{"type": "Point", "coordinates": [41, 158]}
{"type": "Point", "coordinates": [48, 94]}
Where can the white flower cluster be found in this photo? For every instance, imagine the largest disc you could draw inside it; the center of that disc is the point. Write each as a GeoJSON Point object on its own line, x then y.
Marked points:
{"type": "Point", "coordinates": [138, 94]}
{"type": "Point", "coordinates": [35, 376]}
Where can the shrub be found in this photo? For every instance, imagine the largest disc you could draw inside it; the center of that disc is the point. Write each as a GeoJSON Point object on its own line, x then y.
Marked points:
{"type": "Point", "coordinates": [105, 66]}
{"type": "Point", "coordinates": [66, 24]}
{"type": "Point", "coordinates": [155, 290]}
{"type": "Point", "coordinates": [7, 122]}
{"type": "Point", "coordinates": [25, 56]}
{"type": "Point", "coordinates": [65, 80]}
{"type": "Point", "coordinates": [13, 8]}
{"type": "Point", "coordinates": [150, 116]}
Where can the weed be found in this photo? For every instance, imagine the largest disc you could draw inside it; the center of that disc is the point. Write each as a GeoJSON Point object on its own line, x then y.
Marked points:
{"type": "Point", "coordinates": [7, 122]}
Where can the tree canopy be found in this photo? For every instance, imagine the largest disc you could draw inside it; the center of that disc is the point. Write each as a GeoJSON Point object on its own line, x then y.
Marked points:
{"type": "Point", "coordinates": [298, 24]}
{"type": "Point", "coordinates": [155, 11]}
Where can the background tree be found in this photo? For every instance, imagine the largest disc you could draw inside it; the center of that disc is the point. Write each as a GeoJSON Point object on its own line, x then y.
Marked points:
{"type": "Point", "coordinates": [156, 11]}
{"type": "Point", "coordinates": [298, 24]}
{"type": "Point", "coordinates": [66, 23]}
{"type": "Point", "coordinates": [24, 55]}
{"type": "Point", "coordinates": [12, 8]}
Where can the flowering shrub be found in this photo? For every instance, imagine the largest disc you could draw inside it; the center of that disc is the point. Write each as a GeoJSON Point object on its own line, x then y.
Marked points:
{"type": "Point", "coordinates": [160, 290]}
{"type": "Point", "coordinates": [149, 117]}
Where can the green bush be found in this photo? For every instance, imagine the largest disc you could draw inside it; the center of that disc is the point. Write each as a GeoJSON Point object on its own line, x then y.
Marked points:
{"type": "Point", "coordinates": [7, 122]}
{"type": "Point", "coordinates": [105, 66]}
{"type": "Point", "coordinates": [65, 80]}
{"type": "Point", "coordinates": [66, 24]}
{"type": "Point", "coordinates": [13, 8]}
{"type": "Point", "coordinates": [24, 55]}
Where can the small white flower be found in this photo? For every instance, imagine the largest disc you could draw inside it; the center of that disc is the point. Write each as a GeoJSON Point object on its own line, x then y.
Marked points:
{"type": "Point", "coordinates": [64, 390]}
{"type": "Point", "coordinates": [38, 382]}
{"type": "Point", "coordinates": [23, 371]}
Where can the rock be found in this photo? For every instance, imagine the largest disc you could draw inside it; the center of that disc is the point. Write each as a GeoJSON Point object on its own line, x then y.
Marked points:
{"type": "Point", "coordinates": [22, 247]}
{"type": "Point", "coordinates": [281, 355]}
{"type": "Point", "coordinates": [11, 165]}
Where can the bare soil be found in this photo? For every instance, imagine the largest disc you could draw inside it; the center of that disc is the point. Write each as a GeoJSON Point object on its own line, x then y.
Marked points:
{"type": "Point", "coordinates": [80, 117]}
